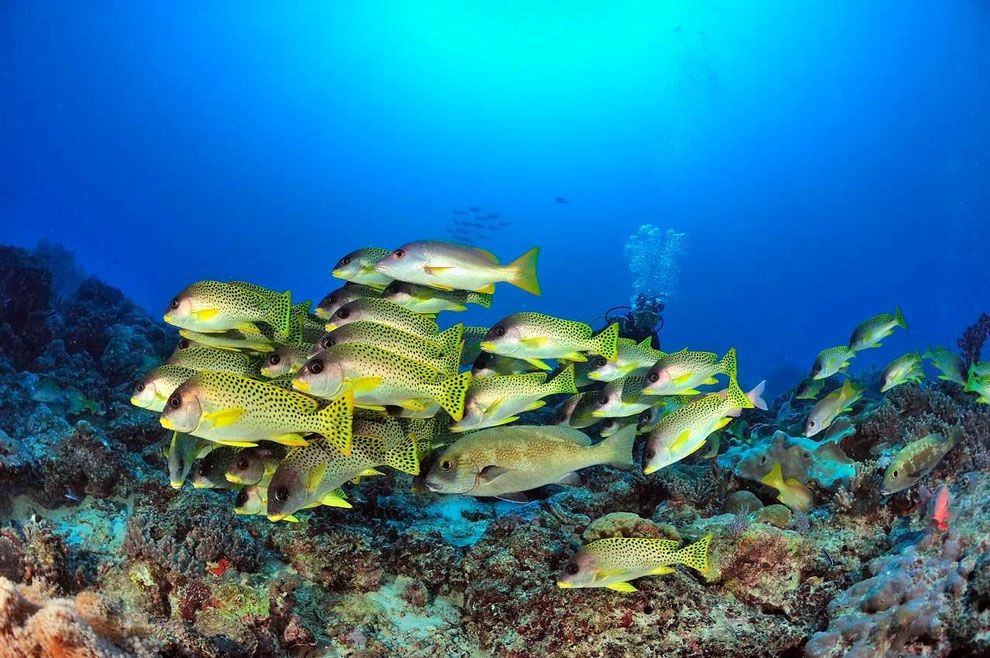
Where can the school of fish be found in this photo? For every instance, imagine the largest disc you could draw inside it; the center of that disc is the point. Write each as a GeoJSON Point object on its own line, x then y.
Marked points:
{"type": "Point", "coordinates": [289, 406]}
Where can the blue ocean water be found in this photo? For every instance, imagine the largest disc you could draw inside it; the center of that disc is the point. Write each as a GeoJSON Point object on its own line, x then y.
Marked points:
{"type": "Point", "coordinates": [825, 163]}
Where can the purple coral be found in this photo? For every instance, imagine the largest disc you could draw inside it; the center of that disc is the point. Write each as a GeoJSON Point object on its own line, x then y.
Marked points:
{"type": "Point", "coordinates": [971, 342]}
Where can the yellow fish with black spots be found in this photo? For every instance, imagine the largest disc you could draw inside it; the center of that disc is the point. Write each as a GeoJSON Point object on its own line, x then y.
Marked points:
{"type": "Point", "coordinates": [435, 351]}
{"type": "Point", "coordinates": [214, 306]}
{"type": "Point", "coordinates": [309, 473]}
{"type": "Point", "coordinates": [238, 411]}
{"type": "Point", "coordinates": [684, 430]}
{"type": "Point", "coordinates": [632, 359]}
{"type": "Point", "coordinates": [680, 373]}
{"type": "Point", "coordinates": [536, 336]}
{"type": "Point", "coordinates": [614, 561]}
{"type": "Point", "coordinates": [430, 301]}
{"type": "Point", "coordinates": [211, 358]}
{"type": "Point", "coordinates": [359, 267]}
{"type": "Point", "coordinates": [381, 311]}
{"type": "Point", "coordinates": [379, 378]}
{"type": "Point", "coordinates": [154, 388]}
{"type": "Point", "coordinates": [498, 400]}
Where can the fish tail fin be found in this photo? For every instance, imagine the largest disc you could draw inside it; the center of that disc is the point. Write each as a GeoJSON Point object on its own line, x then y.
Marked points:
{"type": "Point", "coordinates": [404, 456]}
{"type": "Point", "coordinates": [334, 422]}
{"type": "Point", "coordinates": [281, 315]}
{"type": "Point", "coordinates": [696, 555]}
{"type": "Point", "coordinates": [617, 450]}
{"type": "Point", "coordinates": [737, 398]}
{"type": "Point", "coordinates": [451, 345]}
{"type": "Point", "coordinates": [562, 383]}
{"type": "Point", "coordinates": [522, 271]}
{"type": "Point", "coordinates": [899, 318]}
{"type": "Point", "coordinates": [450, 393]}
{"type": "Point", "coordinates": [606, 343]}
{"type": "Point", "coordinates": [729, 365]}
{"type": "Point", "coordinates": [756, 396]}
{"type": "Point", "coordinates": [775, 478]}
{"type": "Point", "coordinates": [482, 299]}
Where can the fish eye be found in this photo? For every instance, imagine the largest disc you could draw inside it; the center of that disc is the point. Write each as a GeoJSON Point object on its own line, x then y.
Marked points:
{"type": "Point", "coordinates": [243, 463]}
{"type": "Point", "coordinates": [316, 367]}
{"type": "Point", "coordinates": [398, 253]}
{"type": "Point", "coordinates": [343, 313]}
{"type": "Point", "coordinates": [650, 453]}
{"type": "Point", "coordinates": [603, 400]}
{"type": "Point", "coordinates": [763, 459]}
{"type": "Point", "coordinates": [654, 377]}
{"type": "Point", "coordinates": [139, 387]}
{"type": "Point", "coordinates": [242, 497]}
{"type": "Point", "coordinates": [174, 304]}
{"type": "Point", "coordinates": [175, 402]}
{"type": "Point", "coordinates": [281, 494]}
{"type": "Point", "coordinates": [499, 331]}
{"type": "Point", "coordinates": [895, 473]}
{"type": "Point", "coordinates": [183, 343]}
{"type": "Point", "coordinates": [274, 360]}
{"type": "Point", "coordinates": [446, 465]}
{"type": "Point", "coordinates": [600, 362]}
{"type": "Point", "coordinates": [572, 568]}
{"type": "Point", "coordinates": [346, 260]}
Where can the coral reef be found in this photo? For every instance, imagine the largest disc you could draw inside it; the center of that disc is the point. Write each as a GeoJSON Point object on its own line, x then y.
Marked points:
{"type": "Point", "coordinates": [972, 340]}
{"type": "Point", "coordinates": [100, 557]}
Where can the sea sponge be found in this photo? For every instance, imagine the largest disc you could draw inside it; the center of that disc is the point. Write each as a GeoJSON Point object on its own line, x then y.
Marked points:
{"type": "Point", "coordinates": [800, 458]}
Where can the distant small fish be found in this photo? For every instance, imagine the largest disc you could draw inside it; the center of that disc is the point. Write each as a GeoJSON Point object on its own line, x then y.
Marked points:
{"type": "Point", "coordinates": [938, 508]}
{"type": "Point", "coordinates": [907, 368]}
{"type": "Point", "coordinates": [460, 212]}
{"type": "Point", "coordinates": [870, 332]}
{"type": "Point", "coordinates": [503, 224]}
{"type": "Point", "coordinates": [560, 200]}
{"type": "Point", "coordinates": [809, 389]}
{"type": "Point", "coordinates": [979, 385]}
{"type": "Point", "coordinates": [492, 215]}
{"type": "Point", "coordinates": [474, 209]}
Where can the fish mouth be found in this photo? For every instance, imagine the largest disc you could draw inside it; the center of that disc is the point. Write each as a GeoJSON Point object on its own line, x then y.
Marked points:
{"type": "Point", "coordinates": [487, 345]}
{"type": "Point", "coordinates": [175, 484]}
{"type": "Point", "coordinates": [650, 468]}
{"type": "Point", "coordinates": [301, 385]}
{"type": "Point", "coordinates": [275, 518]}
{"type": "Point", "coordinates": [564, 584]}
{"type": "Point", "coordinates": [166, 423]}
{"type": "Point", "coordinates": [329, 326]}
{"type": "Point", "coordinates": [337, 273]}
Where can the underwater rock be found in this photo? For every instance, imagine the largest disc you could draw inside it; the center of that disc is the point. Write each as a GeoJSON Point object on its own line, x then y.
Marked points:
{"type": "Point", "coordinates": [800, 458]}
{"type": "Point", "coordinates": [26, 288]}
{"type": "Point", "coordinates": [33, 623]}
{"type": "Point", "coordinates": [742, 502]}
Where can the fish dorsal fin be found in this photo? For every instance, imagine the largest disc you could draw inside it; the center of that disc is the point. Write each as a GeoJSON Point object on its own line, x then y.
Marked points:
{"type": "Point", "coordinates": [646, 342]}
{"type": "Point", "coordinates": [315, 477]}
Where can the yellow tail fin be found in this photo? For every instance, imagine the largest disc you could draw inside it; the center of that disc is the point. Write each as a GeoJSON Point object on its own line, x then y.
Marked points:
{"type": "Point", "coordinates": [334, 422]}
{"type": "Point", "coordinates": [405, 456]}
{"type": "Point", "coordinates": [563, 382]}
{"type": "Point", "coordinates": [450, 394]}
{"type": "Point", "coordinates": [696, 555]}
{"type": "Point", "coordinates": [522, 271]}
{"type": "Point", "coordinates": [606, 343]}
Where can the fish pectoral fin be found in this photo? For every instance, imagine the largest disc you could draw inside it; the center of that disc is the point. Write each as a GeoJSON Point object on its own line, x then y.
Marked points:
{"type": "Point", "coordinates": [205, 314]}
{"type": "Point", "coordinates": [413, 405]}
{"type": "Point", "coordinates": [315, 477]}
{"type": "Point", "coordinates": [710, 380]}
{"type": "Point", "coordinates": [491, 409]}
{"type": "Point", "coordinates": [577, 357]}
{"type": "Point", "coordinates": [535, 341]}
{"type": "Point", "coordinates": [536, 405]}
{"type": "Point", "coordinates": [679, 442]}
{"type": "Point", "coordinates": [536, 363]}
{"type": "Point", "coordinates": [333, 499]}
{"type": "Point", "coordinates": [435, 270]}
{"type": "Point", "coordinates": [489, 289]}
{"type": "Point", "coordinates": [570, 480]}
{"type": "Point", "coordinates": [369, 472]}
{"type": "Point", "coordinates": [622, 587]}
{"type": "Point", "coordinates": [682, 379]}
{"type": "Point", "coordinates": [291, 439]}
{"type": "Point", "coordinates": [503, 421]}
{"type": "Point", "coordinates": [369, 407]}
{"type": "Point", "coordinates": [292, 518]}
{"type": "Point", "coordinates": [224, 417]}
{"type": "Point", "coordinates": [661, 571]}
{"type": "Point", "coordinates": [514, 497]}
{"type": "Point", "coordinates": [490, 472]}
{"type": "Point", "coordinates": [364, 384]}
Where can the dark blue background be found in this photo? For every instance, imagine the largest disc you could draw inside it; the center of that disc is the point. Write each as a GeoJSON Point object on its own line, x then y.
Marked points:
{"type": "Point", "coordinates": [826, 163]}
